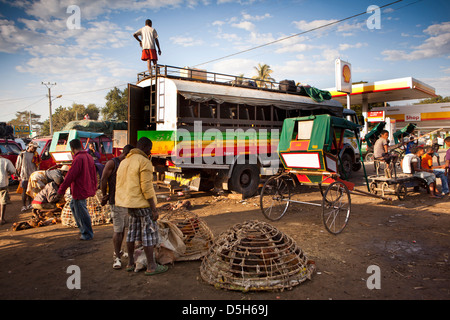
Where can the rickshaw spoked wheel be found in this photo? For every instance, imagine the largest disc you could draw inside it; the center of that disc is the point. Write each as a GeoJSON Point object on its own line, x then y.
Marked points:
{"type": "Point", "coordinates": [401, 191]}
{"type": "Point", "coordinates": [336, 207]}
{"type": "Point", "coordinates": [372, 187]}
{"type": "Point", "coordinates": [275, 197]}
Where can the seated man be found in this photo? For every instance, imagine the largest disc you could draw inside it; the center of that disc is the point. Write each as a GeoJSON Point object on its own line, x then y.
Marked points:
{"type": "Point", "coordinates": [411, 164]}
{"type": "Point", "coordinates": [48, 197]}
{"type": "Point", "coordinates": [439, 171]}
{"type": "Point", "coordinates": [381, 148]}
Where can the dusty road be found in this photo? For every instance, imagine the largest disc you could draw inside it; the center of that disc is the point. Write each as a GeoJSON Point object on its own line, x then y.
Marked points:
{"type": "Point", "coordinates": [408, 240]}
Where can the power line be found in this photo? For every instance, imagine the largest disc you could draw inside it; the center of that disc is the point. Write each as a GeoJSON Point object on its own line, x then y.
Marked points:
{"type": "Point", "coordinates": [96, 90]}
{"type": "Point", "coordinates": [7, 114]}
{"type": "Point", "coordinates": [295, 35]}
{"type": "Point", "coordinates": [18, 99]}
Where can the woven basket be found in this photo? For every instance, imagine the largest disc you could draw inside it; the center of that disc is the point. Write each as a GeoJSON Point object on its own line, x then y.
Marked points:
{"type": "Point", "coordinates": [197, 237]}
{"type": "Point", "coordinates": [255, 256]}
{"type": "Point", "coordinates": [99, 214]}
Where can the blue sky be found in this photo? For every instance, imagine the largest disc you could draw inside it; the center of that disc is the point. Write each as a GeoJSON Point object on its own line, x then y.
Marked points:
{"type": "Point", "coordinates": [36, 44]}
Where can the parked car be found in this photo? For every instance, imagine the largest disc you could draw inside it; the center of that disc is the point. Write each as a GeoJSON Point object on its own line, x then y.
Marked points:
{"type": "Point", "coordinates": [44, 152]}
{"type": "Point", "coordinates": [10, 149]}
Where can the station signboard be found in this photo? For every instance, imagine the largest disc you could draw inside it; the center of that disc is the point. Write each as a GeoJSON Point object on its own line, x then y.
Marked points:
{"type": "Point", "coordinates": [375, 116]}
{"type": "Point", "coordinates": [343, 74]}
{"type": "Point", "coordinates": [21, 130]}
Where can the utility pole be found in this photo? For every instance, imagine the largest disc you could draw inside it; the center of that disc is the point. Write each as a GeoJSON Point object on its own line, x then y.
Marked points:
{"type": "Point", "coordinates": [49, 86]}
{"type": "Point", "coordinates": [29, 114]}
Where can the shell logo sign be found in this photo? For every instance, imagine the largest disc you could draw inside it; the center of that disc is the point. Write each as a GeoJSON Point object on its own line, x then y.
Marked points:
{"type": "Point", "coordinates": [346, 73]}
{"type": "Point", "coordinates": [343, 76]}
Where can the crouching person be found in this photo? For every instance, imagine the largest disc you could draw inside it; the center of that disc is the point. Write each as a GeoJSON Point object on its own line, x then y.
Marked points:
{"type": "Point", "coordinates": [48, 197]}
{"type": "Point", "coordinates": [134, 190]}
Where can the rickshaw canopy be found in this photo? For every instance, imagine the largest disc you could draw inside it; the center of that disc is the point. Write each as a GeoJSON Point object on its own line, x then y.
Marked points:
{"type": "Point", "coordinates": [406, 130]}
{"type": "Point", "coordinates": [321, 132]}
{"type": "Point", "coordinates": [373, 135]}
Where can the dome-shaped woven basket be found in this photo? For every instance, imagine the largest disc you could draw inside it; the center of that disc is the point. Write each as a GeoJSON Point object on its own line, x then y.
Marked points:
{"type": "Point", "coordinates": [255, 256]}
{"type": "Point", "coordinates": [99, 214]}
{"type": "Point", "coordinates": [197, 237]}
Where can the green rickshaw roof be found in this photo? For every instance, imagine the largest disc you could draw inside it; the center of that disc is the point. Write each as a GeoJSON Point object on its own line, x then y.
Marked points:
{"type": "Point", "coordinates": [374, 133]}
{"type": "Point", "coordinates": [321, 133]}
{"type": "Point", "coordinates": [406, 129]}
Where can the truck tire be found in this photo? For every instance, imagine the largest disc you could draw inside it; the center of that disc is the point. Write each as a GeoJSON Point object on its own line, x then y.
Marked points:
{"type": "Point", "coordinates": [345, 167]}
{"type": "Point", "coordinates": [245, 179]}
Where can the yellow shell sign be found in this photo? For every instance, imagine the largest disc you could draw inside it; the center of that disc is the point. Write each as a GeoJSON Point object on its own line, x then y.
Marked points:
{"type": "Point", "coordinates": [346, 73]}
{"type": "Point", "coordinates": [343, 76]}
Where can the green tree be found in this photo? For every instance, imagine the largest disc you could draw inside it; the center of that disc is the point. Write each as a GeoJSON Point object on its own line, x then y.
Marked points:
{"type": "Point", "coordinates": [62, 116]}
{"type": "Point", "coordinates": [116, 107]}
{"type": "Point", "coordinates": [437, 99]}
{"type": "Point", "coordinates": [23, 119]}
{"type": "Point", "coordinates": [263, 74]}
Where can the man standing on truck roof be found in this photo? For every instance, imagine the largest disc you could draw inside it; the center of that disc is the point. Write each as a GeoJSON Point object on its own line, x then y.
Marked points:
{"type": "Point", "coordinates": [149, 39]}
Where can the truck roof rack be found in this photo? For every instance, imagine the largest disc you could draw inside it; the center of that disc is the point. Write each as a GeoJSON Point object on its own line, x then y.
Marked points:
{"type": "Point", "coordinates": [193, 74]}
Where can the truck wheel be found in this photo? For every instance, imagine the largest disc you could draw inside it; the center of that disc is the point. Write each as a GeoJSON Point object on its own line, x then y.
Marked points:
{"type": "Point", "coordinates": [245, 179]}
{"type": "Point", "coordinates": [345, 168]}
{"type": "Point", "coordinates": [357, 166]}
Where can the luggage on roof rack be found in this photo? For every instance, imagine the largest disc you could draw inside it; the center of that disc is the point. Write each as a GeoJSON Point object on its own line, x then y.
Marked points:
{"type": "Point", "coordinates": [288, 86]}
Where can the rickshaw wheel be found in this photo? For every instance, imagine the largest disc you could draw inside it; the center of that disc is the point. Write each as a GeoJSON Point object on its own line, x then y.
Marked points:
{"type": "Point", "coordinates": [336, 207]}
{"type": "Point", "coordinates": [275, 197]}
{"type": "Point", "coordinates": [369, 157]}
{"type": "Point", "coordinates": [373, 187]}
{"type": "Point", "coordinates": [401, 191]}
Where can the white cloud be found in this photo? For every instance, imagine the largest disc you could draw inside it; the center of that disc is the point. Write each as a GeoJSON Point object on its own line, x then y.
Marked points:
{"type": "Point", "coordinates": [185, 41]}
{"type": "Point", "coordinates": [241, 2]}
{"type": "Point", "coordinates": [440, 84]}
{"type": "Point", "coordinates": [218, 23]}
{"type": "Point", "coordinates": [236, 67]}
{"type": "Point", "coordinates": [346, 46]}
{"type": "Point", "coordinates": [48, 9]}
{"type": "Point", "coordinates": [322, 26]}
{"type": "Point", "coordinates": [12, 38]}
{"type": "Point", "coordinates": [246, 16]}
{"type": "Point", "coordinates": [246, 25]}
{"type": "Point", "coordinates": [303, 25]}
{"type": "Point", "coordinates": [229, 36]}
{"type": "Point", "coordinates": [436, 45]}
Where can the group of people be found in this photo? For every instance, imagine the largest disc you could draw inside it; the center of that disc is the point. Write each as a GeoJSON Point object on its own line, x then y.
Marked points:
{"type": "Point", "coordinates": [418, 161]}
{"type": "Point", "coordinates": [126, 183]}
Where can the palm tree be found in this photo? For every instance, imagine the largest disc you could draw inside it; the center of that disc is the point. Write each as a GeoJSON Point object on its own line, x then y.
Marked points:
{"type": "Point", "coordinates": [263, 75]}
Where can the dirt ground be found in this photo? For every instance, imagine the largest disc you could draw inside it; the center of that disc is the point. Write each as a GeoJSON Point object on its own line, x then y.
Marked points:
{"type": "Point", "coordinates": [408, 240]}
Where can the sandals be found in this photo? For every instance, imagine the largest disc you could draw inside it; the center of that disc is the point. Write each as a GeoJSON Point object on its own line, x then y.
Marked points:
{"type": "Point", "coordinates": [117, 263]}
{"type": "Point", "coordinates": [159, 269]}
{"type": "Point", "coordinates": [130, 268]}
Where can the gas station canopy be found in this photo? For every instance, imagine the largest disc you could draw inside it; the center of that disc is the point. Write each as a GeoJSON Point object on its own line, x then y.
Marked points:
{"type": "Point", "coordinates": [384, 91]}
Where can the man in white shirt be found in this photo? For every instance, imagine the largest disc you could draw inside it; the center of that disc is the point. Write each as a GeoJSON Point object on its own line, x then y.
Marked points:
{"type": "Point", "coordinates": [412, 164]}
{"type": "Point", "coordinates": [149, 37]}
{"type": "Point", "coordinates": [6, 170]}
